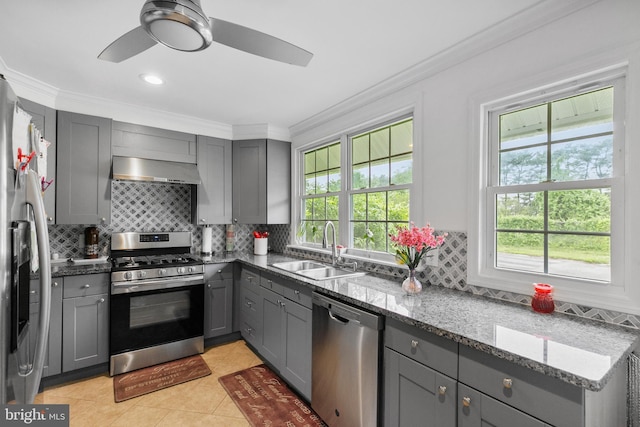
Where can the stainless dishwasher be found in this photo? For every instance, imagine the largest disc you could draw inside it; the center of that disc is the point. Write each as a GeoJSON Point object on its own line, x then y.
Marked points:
{"type": "Point", "coordinates": [345, 357]}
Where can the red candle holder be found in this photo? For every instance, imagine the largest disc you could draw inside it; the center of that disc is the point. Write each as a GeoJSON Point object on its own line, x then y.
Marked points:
{"type": "Point", "coordinates": [542, 300]}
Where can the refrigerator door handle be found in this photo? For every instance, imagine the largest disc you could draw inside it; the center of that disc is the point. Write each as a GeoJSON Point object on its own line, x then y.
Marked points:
{"type": "Point", "coordinates": [34, 198]}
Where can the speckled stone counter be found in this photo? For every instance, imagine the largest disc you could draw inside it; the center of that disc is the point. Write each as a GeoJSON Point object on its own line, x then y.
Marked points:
{"type": "Point", "coordinates": [579, 351]}
{"type": "Point", "coordinates": [62, 269]}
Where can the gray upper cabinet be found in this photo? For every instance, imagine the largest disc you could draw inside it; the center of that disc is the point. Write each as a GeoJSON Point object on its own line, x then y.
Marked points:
{"type": "Point", "coordinates": [130, 140]}
{"type": "Point", "coordinates": [214, 197]}
{"type": "Point", "coordinates": [261, 181]}
{"type": "Point", "coordinates": [83, 193]}
{"type": "Point", "coordinates": [45, 119]}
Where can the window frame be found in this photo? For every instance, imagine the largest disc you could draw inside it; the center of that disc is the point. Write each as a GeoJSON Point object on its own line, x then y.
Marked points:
{"type": "Point", "coordinates": [344, 196]}
{"type": "Point", "coordinates": [615, 294]}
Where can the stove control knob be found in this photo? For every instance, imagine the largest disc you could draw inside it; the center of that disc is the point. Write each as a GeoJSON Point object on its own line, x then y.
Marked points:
{"type": "Point", "coordinates": [128, 275]}
{"type": "Point", "coordinates": [192, 269]}
{"type": "Point", "coordinates": [180, 270]}
{"type": "Point", "coordinates": [142, 274]}
{"type": "Point", "coordinates": [162, 272]}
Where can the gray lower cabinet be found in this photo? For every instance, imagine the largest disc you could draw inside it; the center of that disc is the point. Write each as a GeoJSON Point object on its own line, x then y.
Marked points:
{"type": "Point", "coordinates": [85, 321]}
{"type": "Point", "coordinates": [218, 302]}
{"type": "Point", "coordinates": [45, 120]}
{"type": "Point", "coordinates": [214, 205]}
{"type": "Point", "coordinates": [83, 193]}
{"type": "Point", "coordinates": [286, 331]}
{"type": "Point", "coordinates": [261, 181]}
{"type": "Point", "coordinates": [53, 357]}
{"type": "Point", "coordinates": [248, 306]}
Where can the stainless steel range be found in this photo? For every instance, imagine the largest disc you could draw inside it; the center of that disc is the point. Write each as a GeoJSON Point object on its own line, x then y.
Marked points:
{"type": "Point", "coordinates": [157, 300]}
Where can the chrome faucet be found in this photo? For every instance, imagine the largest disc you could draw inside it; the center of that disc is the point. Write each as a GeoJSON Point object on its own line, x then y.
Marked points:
{"type": "Point", "coordinates": [334, 258]}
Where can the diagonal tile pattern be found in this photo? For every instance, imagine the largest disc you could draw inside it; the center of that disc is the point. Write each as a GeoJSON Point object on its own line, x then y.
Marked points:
{"type": "Point", "coordinates": [201, 402]}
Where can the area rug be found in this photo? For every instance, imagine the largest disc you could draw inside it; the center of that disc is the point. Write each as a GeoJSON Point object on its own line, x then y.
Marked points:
{"type": "Point", "coordinates": [147, 380]}
{"type": "Point", "coordinates": [265, 400]}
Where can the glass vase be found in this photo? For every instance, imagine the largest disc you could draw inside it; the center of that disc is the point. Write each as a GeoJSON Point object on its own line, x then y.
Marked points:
{"type": "Point", "coordinates": [411, 285]}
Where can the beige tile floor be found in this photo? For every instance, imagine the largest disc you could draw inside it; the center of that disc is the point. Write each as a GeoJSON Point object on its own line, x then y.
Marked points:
{"type": "Point", "coordinates": [201, 402]}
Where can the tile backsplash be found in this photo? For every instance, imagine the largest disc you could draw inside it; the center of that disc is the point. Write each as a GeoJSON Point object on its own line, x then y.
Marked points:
{"type": "Point", "coordinates": [152, 207]}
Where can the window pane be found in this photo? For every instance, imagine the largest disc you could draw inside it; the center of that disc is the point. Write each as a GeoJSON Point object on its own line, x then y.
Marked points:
{"type": "Point", "coordinates": [310, 162]}
{"type": "Point", "coordinates": [401, 169]}
{"type": "Point", "coordinates": [308, 209]}
{"type": "Point", "coordinates": [520, 251]}
{"type": "Point", "coordinates": [398, 206]}
{"type": "Point", "coordinates": [377, 206]}
{"type": "Point", "coordinates": [360, 176]}
{"type": "Point", "coordinates": [310, 184]}
{"type": "Point", "coordinates": [332, 209]}
{"type": "Point", "coordinates": [580, 210]}
{"type": "Point", "coordinates": [319, 209]}
{"type": "Point", "coordinates": [520, 211]}
{"type": "Point", "coordinates": [322, 182]}
{"type": "Point", "coordinates": [582, 115]}
{"type": "Point", "coordinates": [322, 159]}
{"type": "Point", "coordinates": [359, 207]}
{"type": "Point", "coordinates": [524, 127]}
{"type": "Point", "coordinates": [334, 156]}
{"type": "Point", "coordinates": [590, 158]}
{"type": "Point", "coordinates": [358, 230]}
{"type": "Point", "coordinates": [360, 149]}
{"type": "Point", "coordinates": [380, 144]}
{"type": "Point", "coordinates": [380, 173]}
{"type": "Point", "coordinates": [581, 256]}
{"type": "Point", "coordinates": [402, 138]}
{"type": "Point", "coordinates": [379, 230]}
{"type": "Point", "coordinates": [334, 180]}
{"type": "Point", "coordinates": [523, 166]}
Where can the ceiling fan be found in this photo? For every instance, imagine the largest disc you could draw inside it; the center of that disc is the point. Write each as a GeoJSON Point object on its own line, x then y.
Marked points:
{"type": "Point", "coordinates": [182, 25]}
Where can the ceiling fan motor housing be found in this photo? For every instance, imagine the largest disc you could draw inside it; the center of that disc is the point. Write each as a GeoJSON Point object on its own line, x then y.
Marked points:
{"type": "Point", "coordinates": [179, 24]}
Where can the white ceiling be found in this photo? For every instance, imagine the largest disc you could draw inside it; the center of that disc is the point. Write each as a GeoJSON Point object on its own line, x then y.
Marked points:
{"type": "Point", "coordinates": [356, 44]}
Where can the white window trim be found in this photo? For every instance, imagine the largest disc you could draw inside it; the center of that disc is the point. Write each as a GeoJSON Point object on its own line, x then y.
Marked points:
{"type": "Point", "coordinates": [622, 294]}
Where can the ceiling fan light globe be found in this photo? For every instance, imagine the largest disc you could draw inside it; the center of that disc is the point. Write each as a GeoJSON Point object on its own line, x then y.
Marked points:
{"type": "Point", "coordinates": [176, 25]}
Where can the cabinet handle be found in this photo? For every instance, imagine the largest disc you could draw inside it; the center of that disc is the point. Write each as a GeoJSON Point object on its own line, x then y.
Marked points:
{"type": "Point", "coordinates": [50, 219]}
{"type": "Point", "coordinates": [203, 220]}
{"type": "Point", "coordinates": [219, 271]}
{"type": "Point", "coordinates": [33, 292]}
{"type": "Point", "coordinates": [466, 401]}
{"type": "Point", "coordinates": [55, 284]}
{"type": "Point", "coordinates": [414, 343]}
{"type": "Point", "coordinates": [297, 292]}
{"type": "Point", "coordinates": [103, 220]}
{"type": "Point", "coordinates": [249, 304]}
{"type": "Point", "coordinates": [209, 285]}
{"type": "Point", "coordinates": [86, 286]}
{"type": "Point", "coordinates": [101, 300]}
{"type": "Point", "coordinates": [507, 382]}
{"type": "Point", "coordinates": [248, 330]}
{"type": "Point", "coordinates": [442, 390]}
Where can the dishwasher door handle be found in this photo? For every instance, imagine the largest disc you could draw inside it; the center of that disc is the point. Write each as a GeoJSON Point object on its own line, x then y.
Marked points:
{"type": "Point", "coordinates": [337, 318]}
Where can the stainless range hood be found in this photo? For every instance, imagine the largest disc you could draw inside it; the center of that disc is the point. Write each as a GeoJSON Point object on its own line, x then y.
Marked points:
{"type": "Point", "coordinates": [136, 169]}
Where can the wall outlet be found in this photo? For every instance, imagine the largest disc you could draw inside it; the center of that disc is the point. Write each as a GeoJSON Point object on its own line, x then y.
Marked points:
{"type": "Point", "coordinates": [433, 257]}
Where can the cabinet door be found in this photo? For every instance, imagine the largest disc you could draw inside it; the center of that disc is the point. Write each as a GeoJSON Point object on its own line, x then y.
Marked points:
{"type": "Point", "coordinates": [476, 409]}
{"type": "Point", "coordinates": [415, 395]}
{"type": "Point", "coordinates": [84, 165]}
{"type": "Point", "coordinates": [271, 347]}
{"type": "Point", "coordinates": [131, 140]}
{"type": "Point", "coordinates": [296, 354]}
{"type": "Point", "coordinates": [85, 323]}
{"type": "Point", "coordinates": [250, 181]}
{"type": "Point", "coordinates": [214, 194]}
{"type": "Point", "coordinates": [53, 357]}
{"type": "Point", "coordinates": [45, 120]}
{"type": "Point", "coordinates": [218, 304]}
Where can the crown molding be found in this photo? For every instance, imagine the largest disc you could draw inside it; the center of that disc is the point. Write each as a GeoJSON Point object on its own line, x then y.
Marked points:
{"type": "Point", "coordinates": [536, 16]}
{"type": "Point", "coordinates": [260, 131]}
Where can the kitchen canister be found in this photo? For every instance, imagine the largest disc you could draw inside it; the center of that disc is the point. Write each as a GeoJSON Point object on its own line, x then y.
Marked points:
{"type": "Point", "coordinates": [542, 300]}
{"type": "Point", "coordinates": [207, 235]}
{"type": "Point", "coordinates": [91, 242]}
{"type": "Point", "coordinates": [260, 245]}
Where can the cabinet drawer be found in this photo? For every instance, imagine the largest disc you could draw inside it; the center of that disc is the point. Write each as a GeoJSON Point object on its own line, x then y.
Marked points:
{"type": "Point", "coordinates": [34, 288]}
{"type": "Point", "coordinates": [431, 350]}
{"type": "Point", "coordinates": [272, 284]}
{"type": "Point", "coordinates": [80, 286]}
{"type": "Point", "coordinates": [546, 398]}
{"type": "Point", "coordinates": [249, 330]}
{"type": "Point", "coordinates": [218, 271]}
{"type": "Point", "coordinates": [298, 293]}
{"type": "Point", "coordinates": [250, 279]}
{"type": "Point", "coordinates": [249, 301]}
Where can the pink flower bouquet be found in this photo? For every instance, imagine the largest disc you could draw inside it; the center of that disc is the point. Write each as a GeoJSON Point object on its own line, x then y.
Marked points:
{"type": "Point", "coordinates": [413, 243]}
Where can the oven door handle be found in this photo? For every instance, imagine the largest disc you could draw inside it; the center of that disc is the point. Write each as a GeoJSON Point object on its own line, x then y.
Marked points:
{"type": "Point", "coordinates": [155, 284]}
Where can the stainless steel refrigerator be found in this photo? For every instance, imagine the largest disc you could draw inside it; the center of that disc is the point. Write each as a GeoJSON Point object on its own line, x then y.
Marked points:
{"type": "Point", "coordinates": [21, 212]}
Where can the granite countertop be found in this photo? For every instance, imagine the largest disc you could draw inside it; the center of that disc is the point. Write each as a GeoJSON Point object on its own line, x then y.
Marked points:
{"type": "Point", "coordinates": [579, 351]}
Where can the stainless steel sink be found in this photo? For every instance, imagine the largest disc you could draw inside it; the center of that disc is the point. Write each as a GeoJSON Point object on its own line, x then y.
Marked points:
{"type": "Point", "coordinates": [315, 270]}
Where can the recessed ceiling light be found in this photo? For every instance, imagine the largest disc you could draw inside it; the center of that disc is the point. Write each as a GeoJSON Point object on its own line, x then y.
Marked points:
{"type": "Point", "coordinates": [151, 79]}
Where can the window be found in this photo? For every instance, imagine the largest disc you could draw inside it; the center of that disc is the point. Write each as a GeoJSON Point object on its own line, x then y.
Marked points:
{"type": "Point", "coordinates": [368, 202]}
{"type": "Point", "coordinates": [555, 185]}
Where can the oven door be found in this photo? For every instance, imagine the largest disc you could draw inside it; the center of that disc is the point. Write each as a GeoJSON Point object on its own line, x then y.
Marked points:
{"type": "Point", "coordinates": [148, 318]}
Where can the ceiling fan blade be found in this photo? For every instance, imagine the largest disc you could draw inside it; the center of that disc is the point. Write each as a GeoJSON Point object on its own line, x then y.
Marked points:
{"type": "Point", "coordinates": [128, 45]}
{"type": "Point", "coordinates": [257, 43]}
